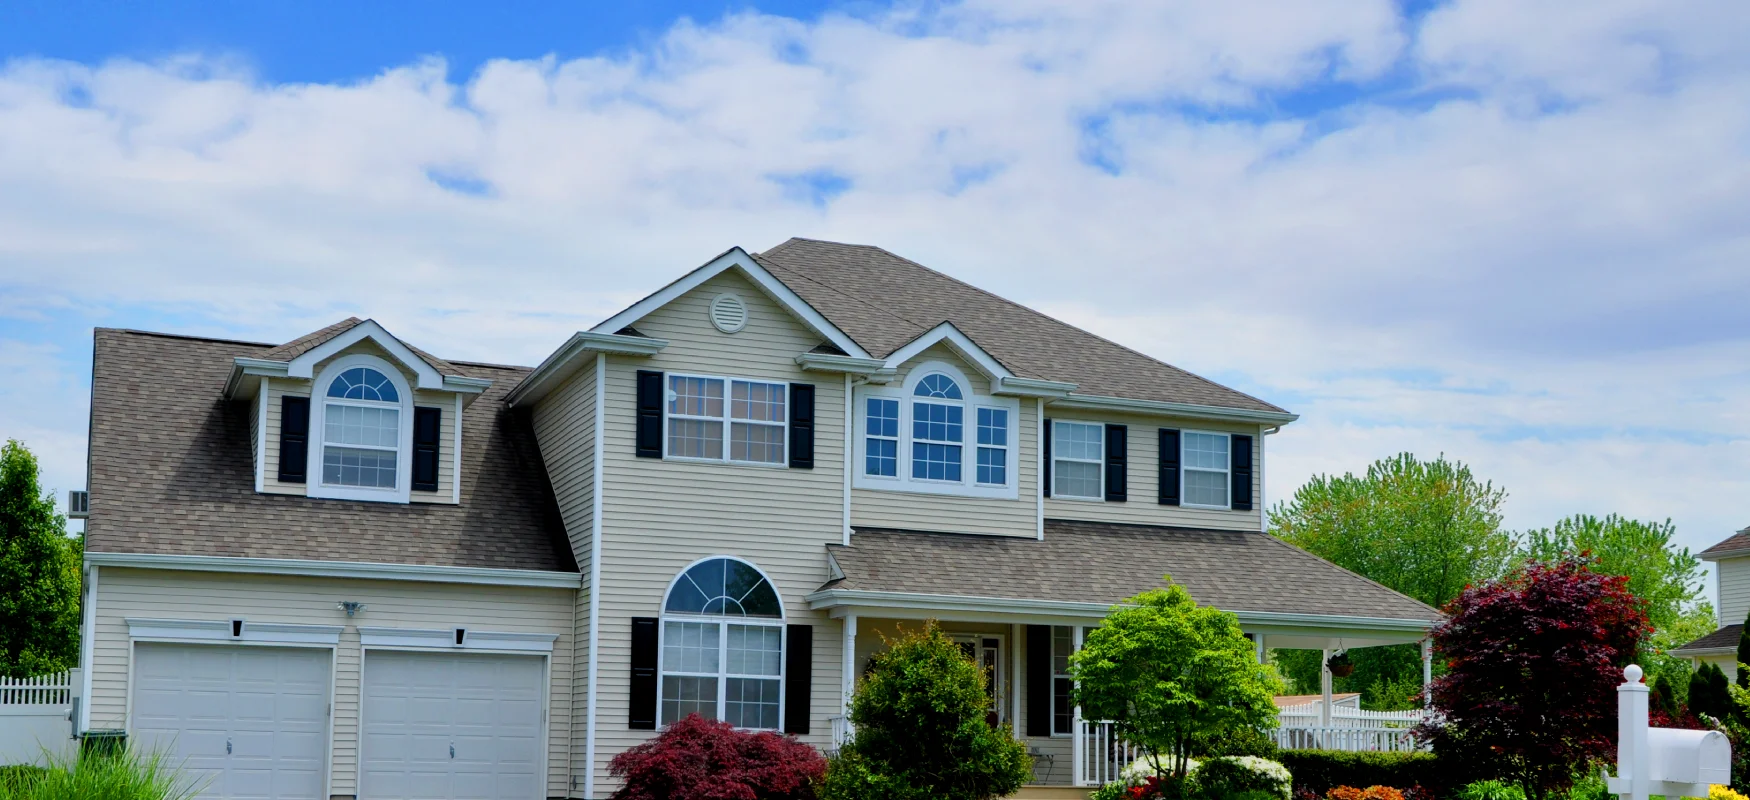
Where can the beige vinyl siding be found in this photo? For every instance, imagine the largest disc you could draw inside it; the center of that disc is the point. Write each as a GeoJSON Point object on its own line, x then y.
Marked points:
{"type": "Point", "coordinates": [165, 594]}
{"type": "Point", "coordinates": [934, 512]}
{"type": "Point", "coordinates": [660, 515]}
{"type": "Point", "coordinates": [1734, 577]}
{"type": "Point", "coordinates": [564, 423]}
{"type": "Point", "coordinates": [298, 387]}
{"type": "Point", "coordinates": [1143, 506]}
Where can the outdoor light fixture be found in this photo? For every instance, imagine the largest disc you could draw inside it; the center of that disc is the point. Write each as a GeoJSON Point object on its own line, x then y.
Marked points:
{"type": "Point", "coordinates": [351, 607]}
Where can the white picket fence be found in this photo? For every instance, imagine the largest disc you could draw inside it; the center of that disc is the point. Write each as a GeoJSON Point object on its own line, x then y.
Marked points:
{"type": "Point", "coordinates": [41, 690]}
{"type": "Point", "coordinates": [1307, 716]}
{"type": "Point", "coordinates": [1388, 740]}
{"type": "Point", "coordinates": [35, 717]}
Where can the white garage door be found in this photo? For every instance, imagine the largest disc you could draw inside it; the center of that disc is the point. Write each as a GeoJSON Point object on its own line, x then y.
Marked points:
{"type": "Point", "coordinates": [442, 725]}
{"type": "Point", "coordinates": [246, 722]}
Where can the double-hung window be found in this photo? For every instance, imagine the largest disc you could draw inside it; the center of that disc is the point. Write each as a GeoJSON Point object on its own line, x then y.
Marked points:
{"type": "Point", "coordinates": [1078, 455]}
{"type": "Point", "coordinates": [723, 647]}
{"type": "Point", "coordinates": [1205, 457]}
{"type": "Point", "coordinates": [727, 419]}
{"type": "Point", "coordinates": [993, 446]}
{"type": "Point", "coordinates": [937, 429]}
{"type": "Point", "coordinates": [881, 449]}
{"type": "Point", "coordinates": [361, 430]}
{"type": "Point", "coordinates": [1065, 640]}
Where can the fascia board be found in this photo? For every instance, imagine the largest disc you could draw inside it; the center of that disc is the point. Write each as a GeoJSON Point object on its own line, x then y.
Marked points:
{"type": "Point", "coordinates": [304, 366]}
{"type": "Point", "coordinates": [959, 342]}
{"type": "Point", "coordinates": [1098, 403]}
{"type": "Point", "coordinates": [340, 569]}
{"type": "Point", "coordinates": [1033, 387]}
{"type": "Point", "coordinates": [573, 355]}
{"type": "Point", "coordinates": [826, 362]}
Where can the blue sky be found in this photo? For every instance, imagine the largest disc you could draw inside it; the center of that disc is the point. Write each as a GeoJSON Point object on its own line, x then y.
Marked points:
{"type": "Point", "coordinates": [1495, 229]}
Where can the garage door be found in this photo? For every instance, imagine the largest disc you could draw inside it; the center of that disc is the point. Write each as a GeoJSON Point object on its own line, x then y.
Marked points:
{"type": "Point", "coordinates": [443, 725]}
{"type": "Point", "coordinates": [246, 722]}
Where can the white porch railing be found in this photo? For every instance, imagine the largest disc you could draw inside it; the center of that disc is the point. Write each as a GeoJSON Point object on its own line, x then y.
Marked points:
{"type": "Point", "coordinates": [1390, 740]}
{"type": "Point", "coordinates": [841, 733]}
{"type": "Point", "coordinates": [41, 690]}
{"type": "Point", "coordinates": [1307, 716]}
{"type": "Point", "coordinates": [1100, 756]}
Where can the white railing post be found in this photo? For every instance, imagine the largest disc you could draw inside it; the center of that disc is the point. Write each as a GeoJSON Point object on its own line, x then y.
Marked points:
{"type": "Point", "coordinates": [1631, 734]}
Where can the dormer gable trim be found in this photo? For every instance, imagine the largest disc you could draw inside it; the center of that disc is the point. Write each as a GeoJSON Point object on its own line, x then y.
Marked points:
{"type": "Point", "coordinates": [962, 345]}
{"type": "Point", "coordinates": [738, 259]}
{"type": "Point", "coordinates": [427, 376]}
{"type": "Point", "coordinates": [570, 357]}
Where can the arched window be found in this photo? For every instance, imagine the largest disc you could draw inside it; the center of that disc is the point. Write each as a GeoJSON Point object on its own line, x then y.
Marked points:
{"type": "Point", "coordinates": [936, 434]}
{"type": "Point", "coordinates": [723, 646]}
{"type": "Point", "coordinates": [938, 429]}
{"type": "Point", "coordinates": [361, 430]}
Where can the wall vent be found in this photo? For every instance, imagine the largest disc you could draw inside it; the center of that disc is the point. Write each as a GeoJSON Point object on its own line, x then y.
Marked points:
{"type": "Point", "coordinates": [78, 504]}
{"type": "Point", "coordinates": [728, 313]}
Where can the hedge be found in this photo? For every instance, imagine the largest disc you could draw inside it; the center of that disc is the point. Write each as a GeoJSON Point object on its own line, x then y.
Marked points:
{"type": "Point", "coordinates": [1319, 770]}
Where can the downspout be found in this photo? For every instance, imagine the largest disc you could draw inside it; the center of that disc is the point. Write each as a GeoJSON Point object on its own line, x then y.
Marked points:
{"type": "Point", "coordinates": [595, 572]}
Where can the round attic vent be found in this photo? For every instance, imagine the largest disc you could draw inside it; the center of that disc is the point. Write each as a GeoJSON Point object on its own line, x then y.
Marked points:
{"type": "Point", "coordinates": [728, 313]}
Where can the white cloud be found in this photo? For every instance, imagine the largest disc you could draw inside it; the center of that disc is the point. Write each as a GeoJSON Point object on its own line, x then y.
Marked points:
{"type": "Point", "coordinates": [1509, 231]}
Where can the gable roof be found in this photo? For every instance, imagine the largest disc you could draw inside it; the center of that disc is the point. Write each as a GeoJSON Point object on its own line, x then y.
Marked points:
{"type": "Point", "coordinates": [171, 472]}
{"type": "Point", "coordinates": [1094, 562]}
{"type": "Point", "coordinates": [884, 301]}
{"type": "Point", "coordinates": [310, 341]}
{"type": "Point", "coordinates": [1736, 543]}
{"type": "Point", "coordinates": [1726, 638]}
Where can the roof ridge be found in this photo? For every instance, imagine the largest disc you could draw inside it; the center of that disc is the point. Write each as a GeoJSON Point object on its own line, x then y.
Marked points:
{"type": "Point", "coordinates": [188, 336]}
{"type": "Point", "coordinates": [840, 292]}
{"type": "Point", "coordinates": [1039, 313]}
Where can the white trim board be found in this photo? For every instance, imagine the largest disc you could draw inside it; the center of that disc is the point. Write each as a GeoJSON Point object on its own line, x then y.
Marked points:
{"type": "Point", "coordinates": [960, 343]}
{"type": "Point", "coordinates": [1163, 408]}
{"type": "Point", "coordinates": [304, 366]}
{"type": "Point", "coordinates": [218, 631]}
{"type": "Point", "coordinates": [736, 258]}
{"type": "Point", "coordinates": [568, 360]}
{"type": "Point", "coordinates": [340, 569]}
{"type": "Point", "coordinates": [445, 639]}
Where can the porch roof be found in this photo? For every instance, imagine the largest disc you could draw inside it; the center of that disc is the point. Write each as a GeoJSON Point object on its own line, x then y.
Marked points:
{"type": "Point", "coordinates": [1081, 568]}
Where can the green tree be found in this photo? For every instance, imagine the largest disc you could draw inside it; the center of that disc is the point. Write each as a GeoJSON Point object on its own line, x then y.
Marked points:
{"type": "Point", "coordinates": [1744, 654]}
{"type": "Point", "coordinates": [1427, 529]}
{"type": "Point", "coordinates": [921, 731]}
{"type": "Point", "coordinates": [1170, 674]}
{"type": "Point", "coordinates": [39, 566]}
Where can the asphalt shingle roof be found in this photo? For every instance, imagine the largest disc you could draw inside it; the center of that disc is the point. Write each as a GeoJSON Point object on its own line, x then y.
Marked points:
{"type": "Point", "coordinates": [1105, 563]}
{"type": "Point", "coordinates": [1737, 541]}
{"type": "Point", "coordinates": [883, 302]}
{"type": "Point", "coordinates": [1724, 637]}
{"type": "Point", "coordinates": [171, 472]}
{"type": "Point", "coordinates": [310, 341]}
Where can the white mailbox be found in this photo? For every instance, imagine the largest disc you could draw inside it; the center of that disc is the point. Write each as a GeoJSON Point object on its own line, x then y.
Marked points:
{"type": "Point", "coordinates": [1662, 761]}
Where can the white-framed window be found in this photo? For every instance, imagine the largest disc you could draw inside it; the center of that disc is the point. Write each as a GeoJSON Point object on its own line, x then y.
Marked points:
{"type": "Point", "coordinates": [1204, 464]}
{"type": "Point", "coordinates": [739, 420]}
{"type": "Point", "coordinates": [1065, 640]}
{"type": "Point", "coordinates": [934, 433]}
{"type": "Point", "coordinates": [722, 649]}
{"type": "Point", "coordinates": [1078, 460]}
{"type": "Point", "coordinates": [361, 431]}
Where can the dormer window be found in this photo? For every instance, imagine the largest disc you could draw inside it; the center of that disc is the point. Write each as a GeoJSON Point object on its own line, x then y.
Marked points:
{"type": "Point", "coordinates": [934, 434]}
{"type": "Point", "coordinates": [361, 428]}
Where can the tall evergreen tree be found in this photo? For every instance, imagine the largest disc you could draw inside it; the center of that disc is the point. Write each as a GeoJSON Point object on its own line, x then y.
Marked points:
{"type": "Point", "coordinates": [39, 568]}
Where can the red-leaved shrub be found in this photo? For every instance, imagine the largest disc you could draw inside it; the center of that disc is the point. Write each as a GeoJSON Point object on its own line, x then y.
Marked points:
{"type": "Point", "coordinates": [702, 759]}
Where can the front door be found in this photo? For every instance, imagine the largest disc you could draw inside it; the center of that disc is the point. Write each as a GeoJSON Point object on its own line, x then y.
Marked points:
{"type": "Point", "coordinates": [986, 651]}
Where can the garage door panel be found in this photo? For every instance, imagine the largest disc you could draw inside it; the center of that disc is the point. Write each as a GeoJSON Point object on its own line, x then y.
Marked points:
{"type": "Point", "coordinates": [193, 700]}
{"type": "Point", "coordinates": [487, 707]}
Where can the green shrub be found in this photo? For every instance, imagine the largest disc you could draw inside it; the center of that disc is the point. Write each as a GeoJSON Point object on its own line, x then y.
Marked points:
{"type": "Point", "coordinates": [1320, 770]}
{"type": "Point", "coordinates": [1491, 790]}
{"type": "Point", "coordinates": [921, 731]}
{"type": "Point", "coordinates": [1221, 778]}
{"type": "Point", "coordinates": [1116, 790]}
{"type": "Point", "coordinates": [127, 776]}
{"type": "Point", "coordinates": [1590, 787]}
{"type": "Point", "coordinates": [1242, 741]}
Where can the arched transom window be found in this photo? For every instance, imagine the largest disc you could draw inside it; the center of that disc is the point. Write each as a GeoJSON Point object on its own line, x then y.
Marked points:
{"type": "Point", "coordinates": [723, 646]}
{"type": "Point", "coordinates": [935, 434]}
{"type": "Point", "coordinates": [361, 430]}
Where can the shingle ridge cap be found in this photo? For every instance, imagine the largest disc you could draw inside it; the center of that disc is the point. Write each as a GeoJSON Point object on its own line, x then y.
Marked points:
{"type": "Point", "coordinates": [185, 336]}
{"type": "Point", "coordinates": [761, 259]}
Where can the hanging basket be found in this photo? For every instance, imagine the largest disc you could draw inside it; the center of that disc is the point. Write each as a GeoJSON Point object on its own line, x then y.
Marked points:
{"type": "Point", "coordinates": [1340, 666]}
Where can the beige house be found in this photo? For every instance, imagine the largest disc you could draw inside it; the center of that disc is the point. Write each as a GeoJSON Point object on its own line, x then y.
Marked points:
{"type": "Point", "coordinates": [1731, 560]}
{"type": "Point", "coordinates": [343, 567]}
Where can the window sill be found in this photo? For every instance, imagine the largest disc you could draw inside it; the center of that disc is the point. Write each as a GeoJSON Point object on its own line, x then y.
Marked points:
{"type": "Point", "coordinates": [935, 488]}
{"type": "Point", "coordinates": [1201, 507]}
{"type": "Point", "coordinates": [1077, 498]}
{"type": "Point", "coordinates": [724, 462]}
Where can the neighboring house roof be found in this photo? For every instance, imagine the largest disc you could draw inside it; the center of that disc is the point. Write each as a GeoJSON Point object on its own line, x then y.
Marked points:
{"type": "Point", "coordinates": [1737, 542]}
{"type": "Point", "coordinates": [171, 472]}
{"type": "Point", "coordinates": [310, 341]}
{"type": "Point", "coordinates": [1092, 562]}
{"type": "Point", "coordinates": [884, 301]}
{"type": "Point", "coordinates": [1726, 638]}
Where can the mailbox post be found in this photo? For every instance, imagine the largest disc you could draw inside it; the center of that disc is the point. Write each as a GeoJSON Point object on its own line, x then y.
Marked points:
{"type": "Point", "coordinates": [1662, 761]}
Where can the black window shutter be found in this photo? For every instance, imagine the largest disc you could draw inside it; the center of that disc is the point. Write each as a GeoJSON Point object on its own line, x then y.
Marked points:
{"type": "Point", "coordinates": [798, 676]}
{"type": "Point", "coordinates": [1241, 472]}
{"type": "Point", "coordinates": [641, 714]}
{"type": "Point", "coordinates": [1169, 467]}
{"type": "Point", "coordinates": [649, 438]}
{"type": "Point", "coordinates": [294, 438]}
{"type": "Point", "coordinates": [1038, 680]}
{"type": "Point", "coordinates": [1117, 463]}
{"type": "Point", "coordinates": [428, 426]}
{"type": "Point", "coordinates": [1045, 480]}
{"type": "Point", "coordinates": [802, 427]}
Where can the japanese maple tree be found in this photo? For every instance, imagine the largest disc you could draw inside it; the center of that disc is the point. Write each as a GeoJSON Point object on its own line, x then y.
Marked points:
{"type": "Point", "coordinates": [703, 759]}
{"type": "Point", "coordinates": [1533, 664]}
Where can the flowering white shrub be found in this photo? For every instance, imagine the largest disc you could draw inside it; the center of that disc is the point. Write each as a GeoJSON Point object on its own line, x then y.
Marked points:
{"type": "Point", "coordinates": [1147, 765]}
{"type": "Point", "coordinates": [1230, 775]}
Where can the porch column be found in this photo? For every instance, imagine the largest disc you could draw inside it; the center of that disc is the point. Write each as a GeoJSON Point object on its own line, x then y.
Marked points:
{"type": "Point", "coordinates": [1258, 642]}
{"type": "Point", "coordinates": [1015, 679]}
{"type": "Point", "coordinates": [1427, 666]}
{"type": "Point", "coordinates": [850, 666]}
{"type": "Point", "coordinates": [1325, 687]}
